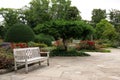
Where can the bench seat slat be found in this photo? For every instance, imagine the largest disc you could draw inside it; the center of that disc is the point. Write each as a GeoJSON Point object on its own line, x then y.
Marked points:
{"type": "Point", "coordinates": [31, 60]}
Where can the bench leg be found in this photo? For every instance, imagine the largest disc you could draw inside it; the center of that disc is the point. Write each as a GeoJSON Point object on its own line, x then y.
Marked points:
{"type": "Point", "coordinates": [26, 67]}
{"type": "Point", "coordinates": [15, 65]}
{"type": "Point", "coordinates": [39, 63]}
{"type": "Point", "coordinates": [48, 62]}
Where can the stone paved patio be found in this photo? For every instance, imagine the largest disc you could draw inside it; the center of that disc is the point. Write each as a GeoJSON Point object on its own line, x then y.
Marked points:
{"type": "Point", "coordinates": [99, 66]}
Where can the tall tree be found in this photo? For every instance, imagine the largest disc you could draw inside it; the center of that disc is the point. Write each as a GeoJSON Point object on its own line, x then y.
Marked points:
{"type": "Point", "coordinates": [115, 19]}
{"type": "Point", "coordinates": [115, 16]}
{"type": "Point", "coordinates": [10, 16]}
{"type": "Point", "coordinates": [65, 30]}
{"type": "Point", "coordinates": [41, 11]}
{"type": "Point", "coordinates": [98, 15]}
{"type": "Point", "coordinates": [38, 12]}
{"type": "Point", "coordinates": [73, 13]}
{"type": "Point", "coordinates": [59, 8]}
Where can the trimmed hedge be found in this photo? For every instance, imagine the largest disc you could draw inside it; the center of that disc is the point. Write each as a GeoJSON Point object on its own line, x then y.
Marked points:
{"type": "Point", "coordinates": [19, 33]}
{"type": "Point", "coordinates": [60, 52]}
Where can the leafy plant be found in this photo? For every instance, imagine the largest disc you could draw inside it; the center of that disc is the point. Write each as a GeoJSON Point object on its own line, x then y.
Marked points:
{"type": "Point", "coordinates": [90, 45]}
{"type": "Point", "coordinates": [6, 59]}
{"type": "Point", "coordinates": [47, 49]}
{"type": "Point", "coordinates": [33, 44]}
{"type": "Point", "coordinates": [45, 39]}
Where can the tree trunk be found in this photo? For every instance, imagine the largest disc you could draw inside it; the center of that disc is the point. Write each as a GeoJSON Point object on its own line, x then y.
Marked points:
{"type": "Point", "coordinates": [91, 37]}
{"type": "Point", "coordinates": [64, 44]}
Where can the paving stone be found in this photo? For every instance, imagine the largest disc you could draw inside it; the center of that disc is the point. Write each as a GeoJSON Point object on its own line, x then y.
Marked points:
{"type": "Point", "coordinates": [37, 78]}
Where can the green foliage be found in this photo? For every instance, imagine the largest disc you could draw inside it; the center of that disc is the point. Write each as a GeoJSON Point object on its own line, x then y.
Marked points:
{"type": "Point", "coordinates": [115, 20]}
{"type": "Point", "coordinates": [11, 16]}
{"type": "Point", "coordinates": [88, 30]}
{"type": "Point", "coordinates": [116, 41]}
{"type": "Point", "coordinates": [105, 30]}
{"type": "Point", "coordinates": [37, 12]}
{"type": "Point", "coordinates": [59, 9]}
{"type": "Point", "coordinates": [61, 52]}
{"type": "Point", "coordinates": [104, 43]}
{"type": "Point", "coordinates": [47, 49]}
{"type": "Point", "coordinates": [42, 38]}
{"type": "Point", "coordinates": [41, 11]}
{"type": "Point", "coordinates": [19, 33]}
{"type": "Point", "coordinates": [33, 44]}
{"type": "Point", "coordinates": [6, 59]}
{"type": "Point", "coordinates": [65, 29]}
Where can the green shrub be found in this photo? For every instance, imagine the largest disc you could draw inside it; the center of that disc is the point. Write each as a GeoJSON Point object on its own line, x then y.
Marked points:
{"type": "Point", "coordinates": [42, 38]}
{"type": "Point", "coordinates": [33, 44]}
{"type": "Point", "coordinates": [6, 59]}
{"type": "Point", "coordinates": [61, 52]}
{"type": "Point", "coordinates": [19, 33]}
{"type": "Point", "coordinates": [104, 43]}
{"type": "Point", "coordinates": [47, 48]}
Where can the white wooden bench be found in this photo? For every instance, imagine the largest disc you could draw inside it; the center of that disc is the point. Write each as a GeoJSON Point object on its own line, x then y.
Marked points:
{"type": "Point", "coordinates": [27, 56]}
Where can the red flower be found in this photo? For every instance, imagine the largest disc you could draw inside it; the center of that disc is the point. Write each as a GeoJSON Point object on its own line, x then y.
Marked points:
{"type": "Point", "coordinates": [91, 43]}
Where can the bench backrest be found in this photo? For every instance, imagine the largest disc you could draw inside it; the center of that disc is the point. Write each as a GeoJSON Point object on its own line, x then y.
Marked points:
{"type": "Point", "coordinates": [26, 53]}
